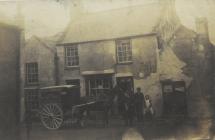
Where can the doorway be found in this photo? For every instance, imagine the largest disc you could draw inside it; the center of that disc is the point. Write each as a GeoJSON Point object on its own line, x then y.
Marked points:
{"type": "Point", "coordinates": [125, 83]}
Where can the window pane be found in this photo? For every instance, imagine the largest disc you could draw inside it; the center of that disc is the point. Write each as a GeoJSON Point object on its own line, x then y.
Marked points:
{"type": "Point", "coordinates": [92, 92]}
{"type": "Point", "coordinates": [67, 52]}
{"type": "Point", "coordinates": [77, 61]}
{"type": "Point", "coordinates": [120, 54]}
{"type": "Point", "coordinates": [120, 59]}
{"type": "Point", "coordinates": [129, 58]}
{"type": "Point", "coordinates": [76, 52]}
{"type": "Point", "coordinates": [99, 85]}
{"type": "Point", "coordinates": [31, 73]}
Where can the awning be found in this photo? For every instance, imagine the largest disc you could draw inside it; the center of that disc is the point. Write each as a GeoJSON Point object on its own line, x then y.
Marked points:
{"type": "Point", "coordinates": [107, 71]}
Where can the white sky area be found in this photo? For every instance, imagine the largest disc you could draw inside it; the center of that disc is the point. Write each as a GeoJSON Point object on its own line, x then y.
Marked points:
{"type": "Point", "coordinates": [48, 17]}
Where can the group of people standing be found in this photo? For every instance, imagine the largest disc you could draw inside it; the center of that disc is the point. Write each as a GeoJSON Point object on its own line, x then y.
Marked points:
{"type": "Point", "coordinates": [134, 106]}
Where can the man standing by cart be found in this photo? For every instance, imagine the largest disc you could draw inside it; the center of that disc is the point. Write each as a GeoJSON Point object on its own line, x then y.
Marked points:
{"type": "Point", "coordinates": [139, 104]}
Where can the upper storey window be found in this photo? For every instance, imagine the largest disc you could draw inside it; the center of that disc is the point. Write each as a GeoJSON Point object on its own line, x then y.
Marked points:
{"type": "Point", "coordinates": [124, 51]}
{"type": "Point", "coordinates": [71, 56]}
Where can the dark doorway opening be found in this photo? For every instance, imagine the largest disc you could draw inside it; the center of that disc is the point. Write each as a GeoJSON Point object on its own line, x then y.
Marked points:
{"type": "Point", "coordinates": [125, 83]}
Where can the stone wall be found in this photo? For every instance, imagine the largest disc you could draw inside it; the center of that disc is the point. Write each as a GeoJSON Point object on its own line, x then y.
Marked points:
{"type": "Point", "coordinates": [101, 55]}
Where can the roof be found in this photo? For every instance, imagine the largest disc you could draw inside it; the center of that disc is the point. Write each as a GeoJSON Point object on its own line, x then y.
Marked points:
{"type": "Point", "coordinates": [45, 43]}
{"type": "Point", "coordinates": [51, 41]}
{"type": "Point", "coordinates": [118, 23]}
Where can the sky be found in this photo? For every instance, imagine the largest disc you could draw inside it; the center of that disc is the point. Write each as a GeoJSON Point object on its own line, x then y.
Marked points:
{"type": "Point", "coordinates": [48, 17]}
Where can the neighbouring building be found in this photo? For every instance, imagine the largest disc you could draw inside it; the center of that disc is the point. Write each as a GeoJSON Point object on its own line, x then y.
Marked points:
{"type": "Point", "coordinates": [10, 44]}
{"type": "Point", "coordinates": [40, 68]}
{"type": "Point", "coordinates": [204, 57]}
{"type": "Point", "coordinates": [196, 50]}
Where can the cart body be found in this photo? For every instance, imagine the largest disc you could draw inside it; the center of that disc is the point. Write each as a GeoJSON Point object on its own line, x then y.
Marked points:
{"type": "Point", "coordinates": [55, 102]}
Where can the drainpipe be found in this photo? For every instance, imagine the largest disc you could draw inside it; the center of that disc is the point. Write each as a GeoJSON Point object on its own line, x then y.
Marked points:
{"type": "Point", "coordinates": [56, 67]}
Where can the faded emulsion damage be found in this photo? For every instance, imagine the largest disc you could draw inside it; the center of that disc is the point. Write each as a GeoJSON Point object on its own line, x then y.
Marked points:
{"type": "Point", "coordinates": [133, 71]}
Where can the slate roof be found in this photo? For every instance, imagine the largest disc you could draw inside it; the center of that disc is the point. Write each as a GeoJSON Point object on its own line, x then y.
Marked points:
{"type": "Point", "coordinates": [34, 41]}
{"type": "Point", "coordinates": [47, 42]}
{"type": "Point", "coordinates": [118, 23]}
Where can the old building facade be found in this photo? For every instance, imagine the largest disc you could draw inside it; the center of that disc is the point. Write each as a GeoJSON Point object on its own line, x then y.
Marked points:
{"type": "Point", "coordinates": [97, 54]}
{"type": "Point", "coordinates": [10, 45]}
{"type": "Point", "coordinates": [40, 69]}
{"type": "Point", "coordinates": [116, 47]}
{"type": "Point", "coordinates": [103, 64]}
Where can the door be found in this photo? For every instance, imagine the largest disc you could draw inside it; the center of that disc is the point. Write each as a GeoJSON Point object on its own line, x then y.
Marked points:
{"type": "Point", "coordinates": [125, 83]}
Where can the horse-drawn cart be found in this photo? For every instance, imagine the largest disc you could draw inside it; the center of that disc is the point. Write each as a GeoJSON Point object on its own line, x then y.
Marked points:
{"type": "Point", "coordinates": [59, 103]}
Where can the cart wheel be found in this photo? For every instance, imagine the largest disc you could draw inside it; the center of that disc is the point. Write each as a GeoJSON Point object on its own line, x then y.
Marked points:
{"type": "Point", "coordinates": [51, 116]}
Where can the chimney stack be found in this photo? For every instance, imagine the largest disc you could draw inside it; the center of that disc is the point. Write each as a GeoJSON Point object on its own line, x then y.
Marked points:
{"type": "Point", "coordinates": [169, 21]}
{"type": "Point", "coordinates": [202, 28]}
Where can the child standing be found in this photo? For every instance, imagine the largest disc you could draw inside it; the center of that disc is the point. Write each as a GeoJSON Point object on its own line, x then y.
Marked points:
{"type": "Point", "coordinates": [149, 111]}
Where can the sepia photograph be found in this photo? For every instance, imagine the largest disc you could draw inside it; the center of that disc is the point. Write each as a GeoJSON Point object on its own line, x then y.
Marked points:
{"type": "Point", "coordinates": [107, 70]}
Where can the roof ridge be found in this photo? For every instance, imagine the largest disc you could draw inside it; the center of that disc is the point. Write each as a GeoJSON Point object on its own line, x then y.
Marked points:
{"type": "Point", "coordinates": [106, 24]}
{"type": "Point", "coordinates": [43, 42]}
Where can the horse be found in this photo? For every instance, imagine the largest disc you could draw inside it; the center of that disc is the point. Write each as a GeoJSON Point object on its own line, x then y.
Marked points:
{"type": "Point", "coordinates": [102, 104]}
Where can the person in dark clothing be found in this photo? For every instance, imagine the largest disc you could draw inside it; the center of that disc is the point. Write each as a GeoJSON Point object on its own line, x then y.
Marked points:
{"type": "Point", "coordinates": [129, 108]}
{"type": "Point", "coordinates": [139, 104]}
{"type": "Point", "coordinates": [121, 103]}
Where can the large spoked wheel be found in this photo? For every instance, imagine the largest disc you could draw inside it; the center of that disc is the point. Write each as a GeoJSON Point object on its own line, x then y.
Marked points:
{"type": "Point", "coordinates": [51, 116]}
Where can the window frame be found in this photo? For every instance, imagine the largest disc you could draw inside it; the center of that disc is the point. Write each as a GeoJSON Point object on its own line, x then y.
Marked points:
{"type": "Point", "coordinates": [101, 84]}
{"type": "Point", "coordinates": [31, 99]}
{"type": "Point", "coordinates": [33, 74]}
{"type": "Point", "coordinates": [72, 56]}
{"type": "Point", "coordinates": [126, 51]}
